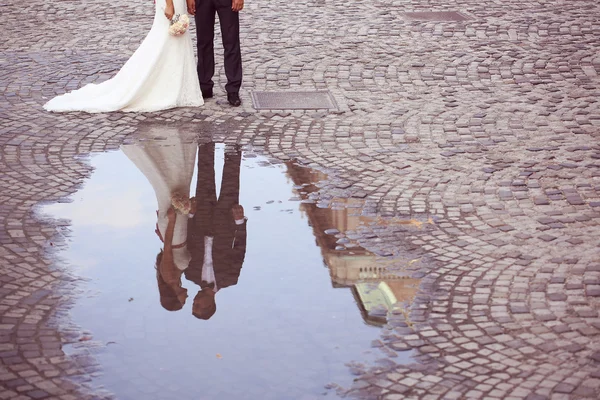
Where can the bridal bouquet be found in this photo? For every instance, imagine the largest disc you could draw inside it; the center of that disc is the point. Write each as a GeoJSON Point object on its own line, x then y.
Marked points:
{"type": "Point", "coordinates": [179, 25]}
{"type": "Point", "coordinates": [181, 203]}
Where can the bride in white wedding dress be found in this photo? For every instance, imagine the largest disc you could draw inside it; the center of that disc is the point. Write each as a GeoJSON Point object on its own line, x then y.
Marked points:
{"type": "Point", "coordinates": [169, 166]}
{"type": "Point", "coordinates": [161, 74]}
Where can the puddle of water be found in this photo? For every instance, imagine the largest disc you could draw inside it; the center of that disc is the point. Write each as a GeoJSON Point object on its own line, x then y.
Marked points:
{"type": "Point", "coordinates": [285, 325]}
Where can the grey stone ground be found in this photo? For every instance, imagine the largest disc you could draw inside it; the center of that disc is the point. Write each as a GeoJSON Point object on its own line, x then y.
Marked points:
{"type": "Point", "coordinates": [491, 126]}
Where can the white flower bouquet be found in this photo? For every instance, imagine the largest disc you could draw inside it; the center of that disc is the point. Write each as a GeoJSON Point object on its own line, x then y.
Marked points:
{"type": "Point", "coordinates": [181, 203]}
{"type": "Point", "coordinates": [179, 24]}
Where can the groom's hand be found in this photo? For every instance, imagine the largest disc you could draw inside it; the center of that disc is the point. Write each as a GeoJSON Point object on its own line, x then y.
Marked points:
{"type": "Point", "coordinates": [238, 212]}
{"type": "Point", "coordinates": [237, 5]}
{"type": "Point", "coordinates": [191, 7]}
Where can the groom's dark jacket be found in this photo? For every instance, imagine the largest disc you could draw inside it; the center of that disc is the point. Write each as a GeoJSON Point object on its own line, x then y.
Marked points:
{"type": "Point", "coordinates": [214, 218]}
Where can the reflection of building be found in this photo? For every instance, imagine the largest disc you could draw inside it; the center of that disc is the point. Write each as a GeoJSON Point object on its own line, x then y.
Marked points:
{"type": "Point", "coordinates": [375, 289]}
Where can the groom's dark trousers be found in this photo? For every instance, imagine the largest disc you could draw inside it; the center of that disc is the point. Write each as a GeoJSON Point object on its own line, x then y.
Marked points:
{"type": "Point", "coordinates": [213, 217]}
{"type": "Point", "coordinates": [230, 34]}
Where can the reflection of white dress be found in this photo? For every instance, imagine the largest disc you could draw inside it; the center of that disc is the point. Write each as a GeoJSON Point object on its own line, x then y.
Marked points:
{"type": "Point", "coordinates": [168, 165]}
{"type": "Point", "coordinates": [161, 74]}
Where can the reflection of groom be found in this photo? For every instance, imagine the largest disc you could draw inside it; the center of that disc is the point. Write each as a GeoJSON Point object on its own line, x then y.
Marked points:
{"type": "Point", "coordinates": [217, 232]}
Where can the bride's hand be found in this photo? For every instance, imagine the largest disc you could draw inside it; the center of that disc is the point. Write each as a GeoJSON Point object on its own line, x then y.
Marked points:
{"type": "Point", "coordinates": [171, 214]}
{"type": "Point", "coordinates": [169, 10]}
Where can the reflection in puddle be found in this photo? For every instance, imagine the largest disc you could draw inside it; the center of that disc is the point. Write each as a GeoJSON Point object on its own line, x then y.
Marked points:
{"type": "Point", "coordinates": [252, 313]}
{"type": "Point", "coordinates": [376, 290]}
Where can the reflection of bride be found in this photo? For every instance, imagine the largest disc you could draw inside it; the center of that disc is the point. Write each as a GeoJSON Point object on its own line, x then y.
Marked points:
{"type": "Point", "coordinates": [168, 166]}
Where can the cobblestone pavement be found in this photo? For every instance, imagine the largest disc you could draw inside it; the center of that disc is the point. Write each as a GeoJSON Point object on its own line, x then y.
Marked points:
{"type": "Point", "coordinates": [489, 126]}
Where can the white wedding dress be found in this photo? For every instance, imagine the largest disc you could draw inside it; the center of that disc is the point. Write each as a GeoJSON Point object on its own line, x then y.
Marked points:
{"type": "Point", "coordinates": [169, 166]}
{"type": "Point", "coordinates": [161, 74]}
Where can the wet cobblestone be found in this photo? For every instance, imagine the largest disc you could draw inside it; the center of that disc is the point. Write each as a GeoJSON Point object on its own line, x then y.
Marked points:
{"type": "Point", "coordinates": [487, 126]}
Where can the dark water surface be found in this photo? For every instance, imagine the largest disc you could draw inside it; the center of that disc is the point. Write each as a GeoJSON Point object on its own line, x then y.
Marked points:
{"type": "Point", "coordinates": [297, 315]}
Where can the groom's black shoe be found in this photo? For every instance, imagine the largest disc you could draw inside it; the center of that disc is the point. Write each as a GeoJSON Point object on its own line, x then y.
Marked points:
{"type": "Point", "coordinates": [234, 99]}
{"type": "Point", "coordinates": [207, 94]}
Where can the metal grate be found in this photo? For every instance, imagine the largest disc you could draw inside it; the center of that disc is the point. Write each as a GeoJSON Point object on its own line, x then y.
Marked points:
{"type": "Point", "coordinates": [451, 16]}
{"type": "Point", "coordinates": [313, 100]}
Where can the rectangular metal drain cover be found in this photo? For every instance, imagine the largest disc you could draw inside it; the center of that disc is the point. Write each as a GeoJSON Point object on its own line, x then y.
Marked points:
{"type": "Point", "coordinates": [451, 16]}
{"type": "Point", "coordinates": [309, 100]}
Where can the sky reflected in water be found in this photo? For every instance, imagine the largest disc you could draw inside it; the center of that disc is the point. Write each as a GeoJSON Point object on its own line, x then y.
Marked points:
{"type": "Point", "coordinates": [283, 331]}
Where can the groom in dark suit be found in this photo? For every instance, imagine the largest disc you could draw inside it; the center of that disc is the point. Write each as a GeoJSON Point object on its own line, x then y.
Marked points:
{"type": "Point", "coordinates": [217, 232]}
{"type": "Point", "coordinates": [228, 10]}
